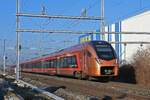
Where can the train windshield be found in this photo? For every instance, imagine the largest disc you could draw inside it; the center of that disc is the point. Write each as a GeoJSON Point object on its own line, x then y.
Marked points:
{"type": "Point", "coordinates": [104, 51]}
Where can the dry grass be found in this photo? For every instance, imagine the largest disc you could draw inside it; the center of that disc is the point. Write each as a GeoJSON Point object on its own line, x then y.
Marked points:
{"type": "Point", "coordinates": [138, 71]}
{"type": "Point", "coordinates": [141, 64]}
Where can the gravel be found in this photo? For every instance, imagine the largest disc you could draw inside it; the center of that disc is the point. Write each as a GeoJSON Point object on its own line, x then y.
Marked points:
{"type": "Point", "coordinates": [61, 91]}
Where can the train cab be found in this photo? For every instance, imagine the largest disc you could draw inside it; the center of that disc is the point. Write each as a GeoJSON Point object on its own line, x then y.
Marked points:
{"type": "Point", "coordinates": [101, 59]}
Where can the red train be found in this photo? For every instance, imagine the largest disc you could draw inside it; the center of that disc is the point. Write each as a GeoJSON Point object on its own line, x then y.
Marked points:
{"type": "Point", "coordinates": [91, 59]}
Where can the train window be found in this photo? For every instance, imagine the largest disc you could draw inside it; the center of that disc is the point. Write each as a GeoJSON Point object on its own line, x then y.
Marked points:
{"type": "Point", "coordinates": [69, 60]}
{"type": "Point", "coordinates": [58, 62]}
{"type": "Point", "coordinates": [38, 64]}
{"type": "Point", "coordinates": [46, 64]}
{"type": "Point", "coordinates": [55, 63]}
{"type": "Point", "coordinates": [74, 62]}
{"type": "Point", "coordinates": [21, 66]}
{"type": "Point", "coordinates": [52, 63]}
{"type": "Point", "coordinates": [49, 63]}
{"type": "Point", "coordinates": [30, 65]}
{"type": "Point", "coordinates": [61, 62]}
{"type": "Point", "coordinates": [89, 54]}
{"type": "Point", "coordinates": [42, 64]}
{"type": "Point", "coordinates": [26, 65]}
{"type": "Point", "coordinates": [65, 62]}
{"type": "Point", "coordinates": [104, 51]}
{"type": "Point", "coordinates": [33, 65]}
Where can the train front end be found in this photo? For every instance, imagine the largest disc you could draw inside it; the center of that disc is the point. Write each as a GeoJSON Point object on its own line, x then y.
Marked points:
{"type": "Point", "coordinates": [105, 60]}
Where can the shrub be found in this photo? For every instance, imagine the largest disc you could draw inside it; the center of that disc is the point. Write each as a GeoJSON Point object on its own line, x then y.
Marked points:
{"type": "Point", "coordinates": [141, 64]}
{"type": "Point", "coordinates": [127, 74]}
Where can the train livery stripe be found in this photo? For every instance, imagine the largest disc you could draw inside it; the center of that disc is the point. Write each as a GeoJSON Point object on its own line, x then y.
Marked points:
{"type": "Point", "coordinates": [54, 69]}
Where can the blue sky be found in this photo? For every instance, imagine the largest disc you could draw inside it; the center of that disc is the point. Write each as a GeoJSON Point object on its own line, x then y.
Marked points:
{"type": "Point", "coordinates": [115, 10]}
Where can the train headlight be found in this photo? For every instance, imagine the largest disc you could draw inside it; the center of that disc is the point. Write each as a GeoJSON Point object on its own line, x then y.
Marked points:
{"type": "Point", "coordinates": [97, 60]}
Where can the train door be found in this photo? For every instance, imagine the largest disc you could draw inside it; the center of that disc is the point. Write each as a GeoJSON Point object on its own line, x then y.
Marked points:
{"type": "Point", "coordinates": [90, 65]}
{"type": "Point", "coordinates": [57, 66]}
{"type": "Point", "coordinates": [86, 61]}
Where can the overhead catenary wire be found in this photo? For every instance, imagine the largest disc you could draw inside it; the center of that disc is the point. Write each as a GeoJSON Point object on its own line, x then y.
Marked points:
{"type": "Point", "coordinates": [74, 25]}
{"type": "Point", "coordinates": [77, 22]}
{"type": "Point", "coordinates": [77, 32]}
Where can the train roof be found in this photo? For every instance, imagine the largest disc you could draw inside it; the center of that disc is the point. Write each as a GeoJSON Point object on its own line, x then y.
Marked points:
{"type": "Point", "coordinates": [71, 49]}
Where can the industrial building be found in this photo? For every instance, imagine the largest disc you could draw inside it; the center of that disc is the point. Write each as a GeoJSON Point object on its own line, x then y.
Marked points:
{"type": "Point", "coordinates": [125, 51]}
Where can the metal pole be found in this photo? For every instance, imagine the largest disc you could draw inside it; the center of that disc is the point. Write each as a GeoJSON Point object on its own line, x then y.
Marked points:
{"type": "Point", "coordinates": [41, 54]}
{"type": "Point", "coordinates": [125, 48]}
{"type": "Point", "coordinates": [102, 22]}
{"type": "Point", "coordinates": [18, 53]}
{"type": "Point", "coordinates": [4, 59]}
{"type": "Point", "coordinates": [40, 48]}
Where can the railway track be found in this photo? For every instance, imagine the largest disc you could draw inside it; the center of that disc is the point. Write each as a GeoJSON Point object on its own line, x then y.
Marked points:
{"type": "Point", "coordinates": [96, 89]}
{"type": "Point", "coordinates": [13, 90]}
